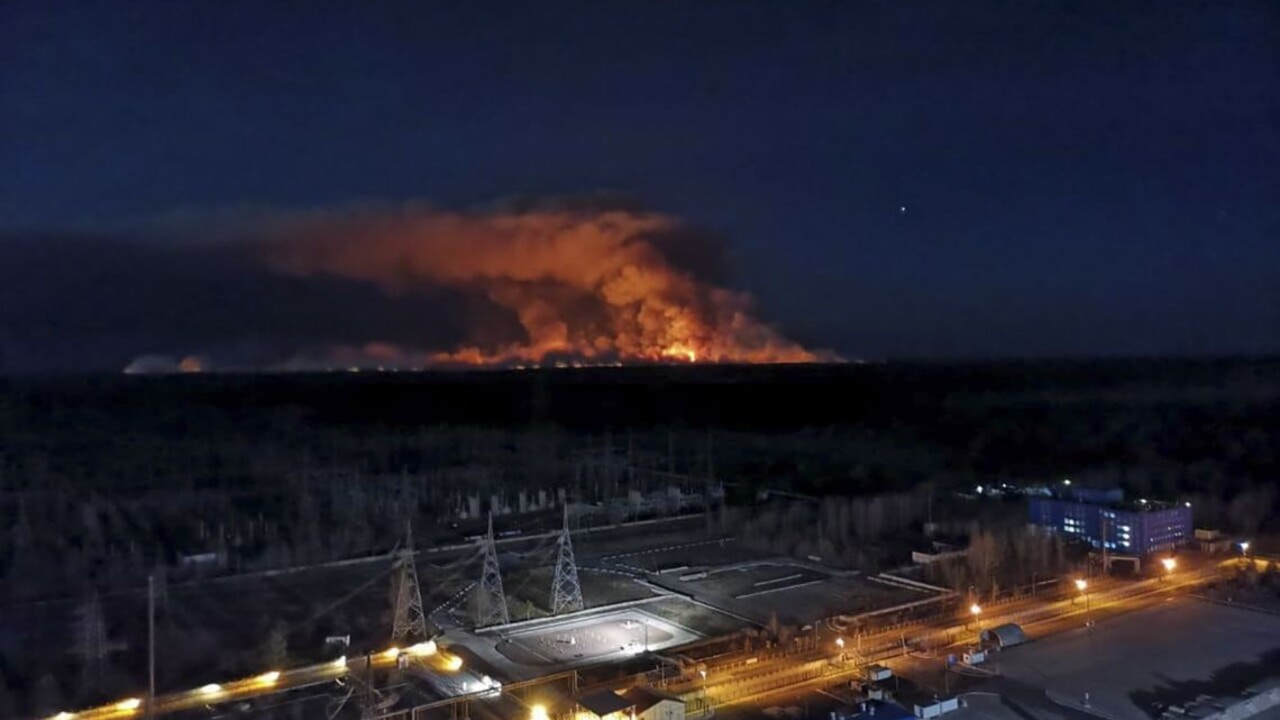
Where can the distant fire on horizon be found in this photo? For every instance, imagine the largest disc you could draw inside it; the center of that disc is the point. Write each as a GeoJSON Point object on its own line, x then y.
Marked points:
{"type": "Point", "coordinates": [574, 285]}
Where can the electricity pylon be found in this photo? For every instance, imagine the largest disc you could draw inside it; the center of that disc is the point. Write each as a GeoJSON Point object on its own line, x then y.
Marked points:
{"type": "Point", "coordinates": [410, 620]}
{"type": "Point", "coordinates": [91, 644]}
{"type": "Point", "coordinates": [492, 602]}
{"type": "Point", "coordinates": [566, 593]}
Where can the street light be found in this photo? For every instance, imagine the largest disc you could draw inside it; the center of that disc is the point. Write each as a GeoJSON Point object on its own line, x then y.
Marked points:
{"type": "Point", "coordinates": [1083, 586]}
{"type": "Point", "coordinates": [976, 610]}
{"type": "Point", "coordinates": [1169, 564]}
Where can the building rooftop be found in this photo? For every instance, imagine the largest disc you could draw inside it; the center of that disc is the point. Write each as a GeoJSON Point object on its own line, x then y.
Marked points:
{"type": "Point", "coordinates": [1138, 505]}
{"type": "Point", "coordinates": [643, 698]}
{"type": "Point", "coordinates": [604, 702]}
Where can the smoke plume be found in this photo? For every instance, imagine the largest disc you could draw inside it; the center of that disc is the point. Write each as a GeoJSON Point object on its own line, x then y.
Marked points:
{"type": "Point", "coordinates": [582, 283]}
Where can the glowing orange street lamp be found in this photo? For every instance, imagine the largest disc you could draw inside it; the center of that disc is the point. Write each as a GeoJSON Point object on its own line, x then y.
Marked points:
{"type": "Point", "coordinates": [1083, 586]}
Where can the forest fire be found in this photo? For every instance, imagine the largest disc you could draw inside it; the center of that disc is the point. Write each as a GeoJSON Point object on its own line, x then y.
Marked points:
{"type": "Point", "coordinates": [681, 351]}
{"type": "Point", "coordinates": [544, 286]}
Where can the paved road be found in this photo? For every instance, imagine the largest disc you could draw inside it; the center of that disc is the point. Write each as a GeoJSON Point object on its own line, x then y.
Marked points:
{"type": "Point", "coordinates": [781, 675]}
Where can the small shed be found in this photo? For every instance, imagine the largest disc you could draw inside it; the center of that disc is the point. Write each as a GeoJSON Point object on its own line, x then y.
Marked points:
{"type": "Point", "coordinates": [877, 673]}
{"type": "Point", "coordinates": [1004, 636]}
{"type": "Point", "coordinates": [936, 708]}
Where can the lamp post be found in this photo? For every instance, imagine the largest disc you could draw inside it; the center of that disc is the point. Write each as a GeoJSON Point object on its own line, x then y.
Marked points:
{"type": "Point", "coordinates": [976, 610]}
{"type": "Point", "coordinates": [1169, 565]}
{"type": "Point", "coordinates": [1083, 586]}
{"type": "Point", "coordinates": [840, 645]}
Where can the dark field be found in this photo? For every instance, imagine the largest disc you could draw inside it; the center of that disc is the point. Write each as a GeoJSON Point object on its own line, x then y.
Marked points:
{"type": "Point", "coordinates": [1015, 418]}
{"type": "Point", "coordinates": [104, 480]}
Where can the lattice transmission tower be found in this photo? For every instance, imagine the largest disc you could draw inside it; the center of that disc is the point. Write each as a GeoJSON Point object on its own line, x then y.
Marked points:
{"type": "Point", "coordinates": [410, 621]}
{"type": "Point", "coordinates": [566, 593]}
{"type": "Point", "coordinates": [492, 601]}
{"type": "Point", "coordinates": [92, 645]}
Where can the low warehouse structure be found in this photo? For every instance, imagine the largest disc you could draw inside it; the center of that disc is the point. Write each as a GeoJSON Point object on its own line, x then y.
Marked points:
{"type": "Point", "coordinates": [650, 704]}
{"type": "Point", "coordinates": [637, 703]}
{"type": "Point", "coordinates": [605, 705]}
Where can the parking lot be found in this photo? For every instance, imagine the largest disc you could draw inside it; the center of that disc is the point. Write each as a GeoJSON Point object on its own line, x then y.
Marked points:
{"type": "Point", "coordinates": [1130, 662]}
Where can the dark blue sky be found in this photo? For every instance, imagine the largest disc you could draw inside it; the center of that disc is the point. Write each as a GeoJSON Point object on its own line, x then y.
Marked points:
{"type": "Point", "coordinates": [1078, 177]}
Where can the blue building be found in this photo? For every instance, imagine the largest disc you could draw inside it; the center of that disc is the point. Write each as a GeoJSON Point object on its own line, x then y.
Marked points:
{"type": "Point", "coordinates": [1104, 520]}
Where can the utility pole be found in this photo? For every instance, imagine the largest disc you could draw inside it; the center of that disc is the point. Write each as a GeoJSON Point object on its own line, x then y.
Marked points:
{"type": "Point", "coordinates": [368, 697]}
{"type": "Point", "coordinates": [1102, 522]}
{"type": "Point", "coordinates": [151, 646]}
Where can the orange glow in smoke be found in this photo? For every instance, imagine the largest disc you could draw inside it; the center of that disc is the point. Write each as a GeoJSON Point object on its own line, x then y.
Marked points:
{"type": "Point", "coordinates": [582, 286]}
{"type": "Point", "coordinates": [680, 351]}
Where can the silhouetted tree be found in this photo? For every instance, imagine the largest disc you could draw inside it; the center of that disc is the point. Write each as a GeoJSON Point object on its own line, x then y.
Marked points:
{"type": "Point", "coordinates": [47, 696]}
{"type": "Point", "coordinates": [275, 649]}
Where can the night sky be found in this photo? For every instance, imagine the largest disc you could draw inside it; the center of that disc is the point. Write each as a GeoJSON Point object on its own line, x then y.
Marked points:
{"type": "Point", "coordinates": [890, 179]}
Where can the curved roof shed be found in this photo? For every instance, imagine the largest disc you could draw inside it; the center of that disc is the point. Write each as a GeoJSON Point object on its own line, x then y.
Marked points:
{"type": "Point", "coordinates": [1004, 636]}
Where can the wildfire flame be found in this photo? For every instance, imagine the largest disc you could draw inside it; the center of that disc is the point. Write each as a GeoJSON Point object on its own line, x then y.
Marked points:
{"type": "Point", "coordinates": [681, 352]}
{"type": "Point", "coordinates": [582, 285]}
